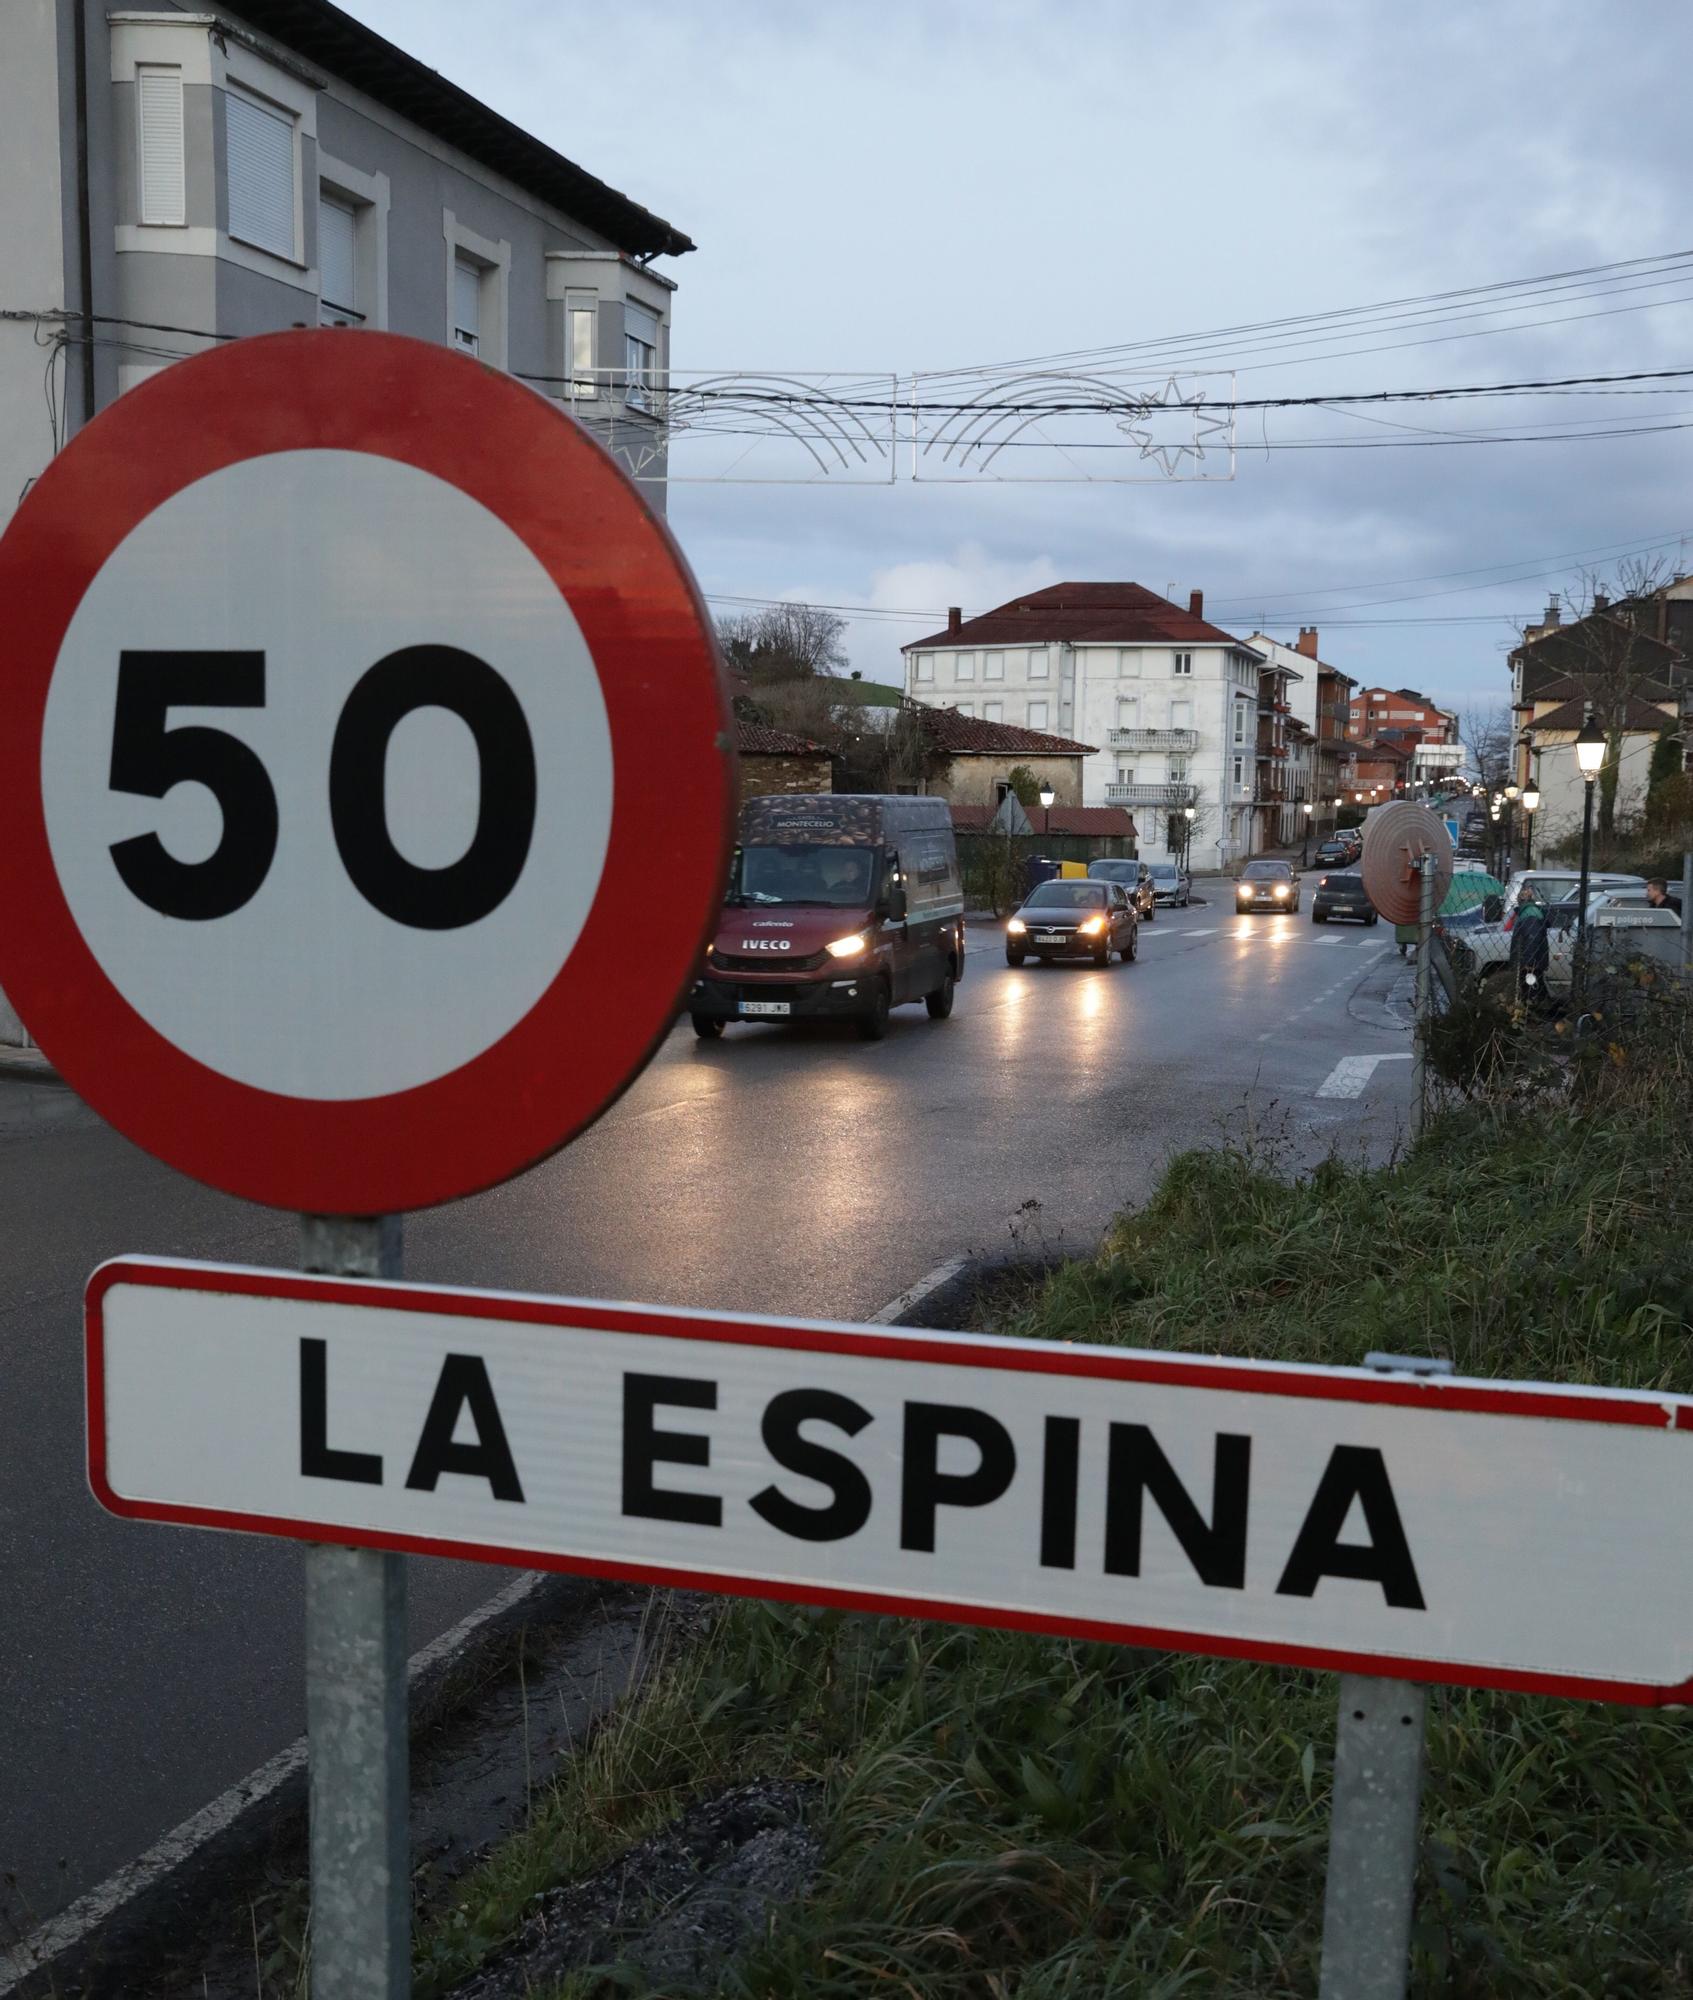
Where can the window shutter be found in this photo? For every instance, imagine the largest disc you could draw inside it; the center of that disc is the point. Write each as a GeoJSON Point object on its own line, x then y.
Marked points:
{"type": "Point", "coordinates": [467, 304]}
{"type": "Point", "coordinates": [337, 253]}
{"type": "Point", "coordinates": [158, 98]}
{"type": "Point", "coordinates": [261, 174]}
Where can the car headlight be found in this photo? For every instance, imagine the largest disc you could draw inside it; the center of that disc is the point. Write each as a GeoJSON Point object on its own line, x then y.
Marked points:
{"type": "Point", "coordinates": [1092, 927]}
{"type": "Point", "coordinates": [1281, 888]}
{"type": "Point", "coordinates": [1016, 927]}
{"type": "Point", "coordinates": [847, 947]}
{"type": "Point", "coordinates": [1245, 893]}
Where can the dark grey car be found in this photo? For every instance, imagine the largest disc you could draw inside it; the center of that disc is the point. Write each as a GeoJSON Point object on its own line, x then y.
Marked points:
{"type": "Point", "coordinates": [1136, 878]}
{"type": "Point", "coordinates": [1071, 919]}
{"type": "Point", "coordinates": [1340, 893]}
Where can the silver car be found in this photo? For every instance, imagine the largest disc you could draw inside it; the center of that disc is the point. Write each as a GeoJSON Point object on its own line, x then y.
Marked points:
{"type": "Point", "coordinates": [1171, 883]}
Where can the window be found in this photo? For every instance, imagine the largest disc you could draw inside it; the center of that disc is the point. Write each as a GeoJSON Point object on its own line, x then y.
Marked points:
{"type": "Point", "coordinates": [581, 341]}
{"type": "Point", "coordinates": [337, 258]}
{"type": "Point", "coordinates": [993, 666]}
{"type": "Point", "coordinates": [467, 305]}
{"type": "Point", "coordinates": [260, 142]}
{"type": "Point", "coordinates": [1240, 722]}
{"type": "Point", "coordinates": [1128, 711]}
{"type": "Point", "coordinates": [1037, 714]}
{"type": "Point", "coordinates": [1184, 663]}
{"type": "Point", "coordinates": [1128, 662]}
{"type": "Point", "coordinates": [925, 666]}
{"type": "Point", "coordinates": [640, 356]}
{"type": "Point", "coordinates": [1037, 663]}
{"type": "Point", "coordinates": [158, 101]}
{"type": "Point", "coordinates": [1125, 773]}
{"type": "Point", "coordinates": [967, 708]}
{"type": "Point", "coordinates": [1238, 768]}
{"type": "Point", "coordinates": [1181, 715]}
{"type": "Point", "coordinates": [993, 711]}
{"type": "Point", "coordinates": [1178, 770]}
{"type": "Point", "coordinates": [966, 666]}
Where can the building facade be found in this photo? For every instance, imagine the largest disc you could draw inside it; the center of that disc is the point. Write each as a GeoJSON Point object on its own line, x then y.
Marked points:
{"type": "Point", "coordinates": [1170, 699]}
{"type": "Point", "coordinates": [1319, 698]}
{"type": "Point", "coordinates": [178, 174]}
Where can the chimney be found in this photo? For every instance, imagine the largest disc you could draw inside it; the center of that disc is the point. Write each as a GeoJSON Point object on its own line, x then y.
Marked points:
{"type": "Point", "coordinates": [954, 617]}
{"type": "Point", "coordinates": [1553, 615]}
{"type": "Point", "coordinates": [1307, 641]}
{"type": "Point", "coordinates": [1196, 604]}
{"type": "Point", "coordinates": [1600, 601]}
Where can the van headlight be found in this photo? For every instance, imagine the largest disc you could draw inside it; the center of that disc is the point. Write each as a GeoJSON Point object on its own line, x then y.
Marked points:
{"type": "Point", "coordinates": [847, 947]}
{"type": "Point", "coordinates": [1016, 927]}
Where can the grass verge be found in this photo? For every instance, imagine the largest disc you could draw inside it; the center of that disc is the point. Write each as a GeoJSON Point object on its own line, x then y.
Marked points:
{"type": "Point", "coordinates": [1024, 1818]}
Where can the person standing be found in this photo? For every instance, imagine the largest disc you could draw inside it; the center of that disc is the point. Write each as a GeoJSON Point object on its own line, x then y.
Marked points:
{"type": "Point", "coordinates": [1531, 950]}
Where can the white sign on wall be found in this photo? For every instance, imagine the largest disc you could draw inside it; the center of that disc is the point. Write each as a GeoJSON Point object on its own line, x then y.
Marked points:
{"type": "Point", "coordinates": [1491, 1534]}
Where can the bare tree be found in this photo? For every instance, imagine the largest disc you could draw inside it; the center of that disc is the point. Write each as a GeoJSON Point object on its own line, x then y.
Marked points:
{"type": "Point", "coordinates": [1485, 731]}
{"type": "Point", "coordinates": [783, 642]}
{"type": "Point", "coordinates": [1606, 649]}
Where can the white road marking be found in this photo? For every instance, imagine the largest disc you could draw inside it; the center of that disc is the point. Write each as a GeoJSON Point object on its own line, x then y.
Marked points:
{"type": "Point", "coordinates": [1351, 1073]}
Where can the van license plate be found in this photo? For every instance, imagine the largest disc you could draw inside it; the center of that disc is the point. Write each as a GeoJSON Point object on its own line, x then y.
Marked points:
{"type": "Point", "coordinates": [766, 1007]}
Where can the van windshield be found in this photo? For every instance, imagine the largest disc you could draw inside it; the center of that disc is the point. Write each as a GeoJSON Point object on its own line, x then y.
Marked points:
{"type": "Point", "coordinates": [836, 877]}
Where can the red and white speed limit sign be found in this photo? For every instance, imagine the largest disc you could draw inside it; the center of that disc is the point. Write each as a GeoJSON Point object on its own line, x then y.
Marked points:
{"type": "Point", "coordinates": [366, 781]}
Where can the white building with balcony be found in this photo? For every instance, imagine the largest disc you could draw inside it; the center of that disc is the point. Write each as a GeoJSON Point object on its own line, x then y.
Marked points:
{"type": "Point", "coordinates": [1171, 700]}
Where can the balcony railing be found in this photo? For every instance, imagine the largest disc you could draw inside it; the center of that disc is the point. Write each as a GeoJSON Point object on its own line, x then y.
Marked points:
{"type": "Point", "coordinates": [1149, 795]}
{"type": "Point", "coordinates": [1154, 739]}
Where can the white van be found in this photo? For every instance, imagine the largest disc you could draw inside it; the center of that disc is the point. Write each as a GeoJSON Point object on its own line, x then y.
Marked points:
{"type": "Point", "coordinates": [1552, 885]}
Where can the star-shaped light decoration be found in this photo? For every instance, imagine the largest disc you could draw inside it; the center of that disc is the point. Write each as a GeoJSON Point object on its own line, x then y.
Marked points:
{"type": "Point", "coordinates": [1207, 426]}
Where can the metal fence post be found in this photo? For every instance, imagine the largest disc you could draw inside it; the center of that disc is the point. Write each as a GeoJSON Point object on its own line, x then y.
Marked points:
{"type": "Point", "coordinates": [356, 1724]}
{"type": "Point", "coordinates": [1687, 910]}
{"type": "Point", "coordinates": [1375, 1815]}
{"type": "Point", "coordinates": [1426, 875]}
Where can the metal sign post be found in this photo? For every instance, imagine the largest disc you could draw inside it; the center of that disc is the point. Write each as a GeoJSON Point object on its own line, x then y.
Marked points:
{"type": "Point", "coordinates": [1376, 1810]}
{"type": "Point", "coordinates": [357, 1731]}
{"type": "Point", "coordinates": [1427, 876]}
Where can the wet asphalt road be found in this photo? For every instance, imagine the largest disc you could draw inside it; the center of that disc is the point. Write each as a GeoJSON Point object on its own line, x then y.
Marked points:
{"type": "Point", "coordinates": [145, 1669]}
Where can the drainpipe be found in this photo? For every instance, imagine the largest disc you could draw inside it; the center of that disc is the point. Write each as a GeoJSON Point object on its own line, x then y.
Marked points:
{"type": "Point", "coordinates": [84, 230]}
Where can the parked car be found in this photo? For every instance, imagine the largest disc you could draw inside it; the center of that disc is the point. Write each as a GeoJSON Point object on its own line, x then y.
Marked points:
{"type": "Point", "coordinates": [1336, 853]}
{"type": "Point", "coordinates": [1341, 894]}
{"type": "Point", "coordinates": [1552, 885]}
{"type": "Point", "coordinates": [1267, 885]}
{"type": "Point", "coordinates": [839, 905]}
{"type": "Point", "coordinates": [1071, 919]}
{"type": "Point", "coordinates": [1171, 883]}
{"type": "Point", "coordinates": [1136, 878]}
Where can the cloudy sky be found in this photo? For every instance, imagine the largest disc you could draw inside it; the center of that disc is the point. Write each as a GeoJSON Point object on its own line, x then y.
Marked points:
{"type": "Point", "coordinates": [929, 186]}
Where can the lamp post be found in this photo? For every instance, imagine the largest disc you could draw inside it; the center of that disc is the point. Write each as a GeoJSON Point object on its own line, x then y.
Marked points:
{"type": "Point", "coordinates": [1531, 805]}
{"type": "Point", "coordinates": [1590, 756]}
{"type": "Point", "coordinates": [1047, 795]}
{"type": "Point", "coordinates": [1305, 842]}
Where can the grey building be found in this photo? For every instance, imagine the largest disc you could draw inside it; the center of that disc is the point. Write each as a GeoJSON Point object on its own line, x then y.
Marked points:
{"type": "Point", "coordinates": [176, 174]}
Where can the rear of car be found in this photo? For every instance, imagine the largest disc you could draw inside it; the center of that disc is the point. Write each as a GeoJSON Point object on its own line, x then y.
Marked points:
{"type": "Point", "coordinates": [1136, 880]}
{"type": "Point", "coordinates": [1341, 894]}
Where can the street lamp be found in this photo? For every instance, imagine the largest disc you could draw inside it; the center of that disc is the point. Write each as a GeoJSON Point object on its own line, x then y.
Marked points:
{"type": "Point", "coordinates": [1589, 756]}
{"type": "Point", "coordinates": [1531, 805]}
{"type": "Point", "coordinates": [1305, 843]}
{"type": "Point", "coordinates": [1187, 838]}
{"type": "Point", "coordinates": [1047, 795]}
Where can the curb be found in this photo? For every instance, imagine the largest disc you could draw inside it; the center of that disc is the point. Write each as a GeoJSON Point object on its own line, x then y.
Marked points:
{"type": "Point", "coordinates": [145, 1893]}
{"type": "Point", "coordinates": [20, 1065]}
